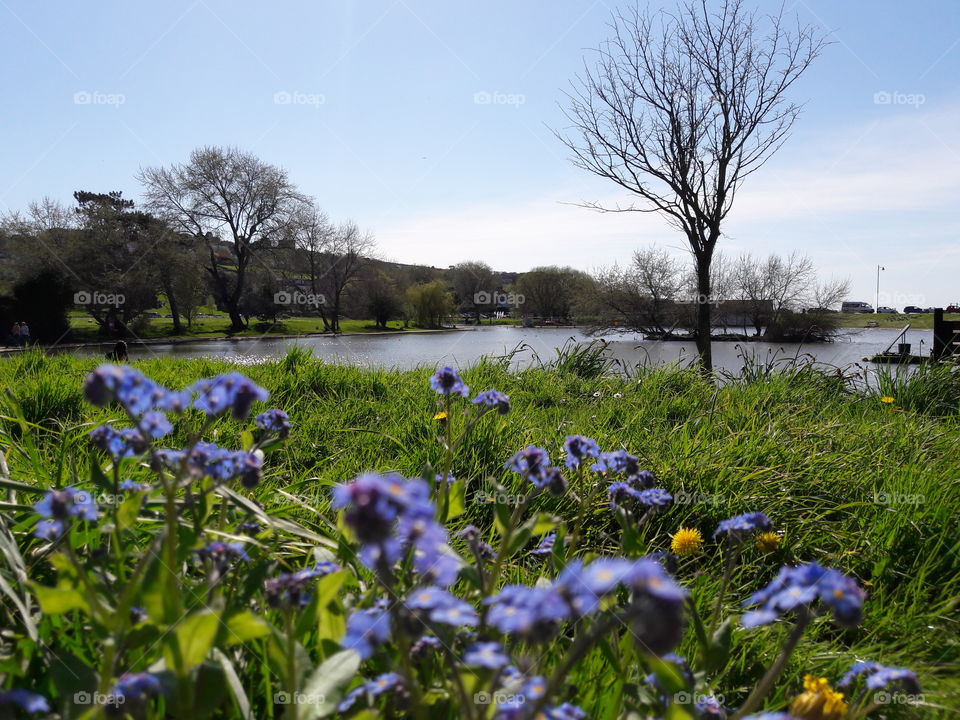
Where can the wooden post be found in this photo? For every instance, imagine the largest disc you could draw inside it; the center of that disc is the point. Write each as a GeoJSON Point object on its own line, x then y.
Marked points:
{"type": "Point", "coordinates": [946, 336]}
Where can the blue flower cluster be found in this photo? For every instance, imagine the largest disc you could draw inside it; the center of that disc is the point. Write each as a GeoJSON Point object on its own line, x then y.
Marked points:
{"type": "Point", "coordinates": [741, 526]}
{"type": "Point", "coordinates": [289, 590]}
{"type": "Point", "coordinates": [148, 402]}
{"type": "Point", "coordinates": [59, 507]}
{"type": "Point", "coordinates": [623, 492]}
{"type": "Point", "coordinates": [579, 449]}
{"type": "Point", "coordinates": [209, 460]}
{"type": "Point", "coordinates": [534, 613]}
{"type": "Point", "coordinates": [880, 676]}
{"type": "Point", "coordinates": [367, 630]}
{"type": "Point", "coordinates": [431, 604]}
{"type": "Point", "coordinates": [489, 655]}
{"type": "Point", "coordinates": [232, 391]}
{"type": "Point", "coordinates": [493, 399]}
{"type": "Point", "coordinates": [119, 444]}
{"type": "Point", "coordinates": [26, 700]}
{"type": "Point", "coordinates": [135, 392]}
{"type": "Point", "coordinates": [222, 555]}
{"type": "Point", "coordinates": [135, 688]}
{"type": "Point", "coordinates": [517, 706]}
{"type": "Point", "coordinates": [799, 587]}
{"type": "Point", "coordinates": [391, 515]}
{"type": "Point", "coordinates": [274, 421]}
{"type": "Point", "coordinates": [447, 381]}
{"type": "Point", "coordinates": [388, 682]}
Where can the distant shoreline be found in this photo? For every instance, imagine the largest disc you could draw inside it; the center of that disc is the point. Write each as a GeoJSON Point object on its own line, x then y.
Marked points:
{"type": "Point", "coordinates": [186, 339]}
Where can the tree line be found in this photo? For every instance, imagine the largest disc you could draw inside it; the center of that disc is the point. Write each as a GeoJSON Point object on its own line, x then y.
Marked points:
{"type": "Point", "coordinates": [228, 229]}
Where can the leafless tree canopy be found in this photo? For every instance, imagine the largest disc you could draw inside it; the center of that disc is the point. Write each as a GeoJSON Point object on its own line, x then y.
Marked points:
{"type": "Point", "coordinates": [679, 109]}
{"type": "Point", "coordinates": [224, 194]}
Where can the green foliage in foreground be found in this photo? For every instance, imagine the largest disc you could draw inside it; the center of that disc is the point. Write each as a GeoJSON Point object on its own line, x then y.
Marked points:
{"type": "Point", "coordinates": [856, 484]}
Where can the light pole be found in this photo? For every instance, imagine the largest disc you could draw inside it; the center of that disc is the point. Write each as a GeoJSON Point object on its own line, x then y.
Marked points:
{"type": "Point", "coordinates": [876, 308]}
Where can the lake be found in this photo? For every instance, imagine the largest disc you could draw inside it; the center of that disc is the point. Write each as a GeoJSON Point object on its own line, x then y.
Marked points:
{"type": "Point", "coordinates": [461, 348]}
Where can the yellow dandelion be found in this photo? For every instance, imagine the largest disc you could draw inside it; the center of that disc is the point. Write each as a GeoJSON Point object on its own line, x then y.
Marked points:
{"type": "Point", "coordinates": [442, 415]}
{"type": "Point", "coordinates": [818, 701]}
{"type": "Point", "coordinates": [686, 541]}
{"type": "Point", "coordinates": [769, 541]}
{"type": "Point", "coordinates": [887, 400]}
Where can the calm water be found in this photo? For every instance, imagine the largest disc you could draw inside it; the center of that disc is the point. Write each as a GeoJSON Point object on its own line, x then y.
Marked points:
{"type": "Point", "coordinates": [462, 348]}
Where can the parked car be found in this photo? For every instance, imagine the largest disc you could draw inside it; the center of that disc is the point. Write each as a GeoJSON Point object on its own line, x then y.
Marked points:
{"type": "Point", "coordinates": [856, 307]}
{"type": "Point", "coordinates": [952, 308]}
{"type": "Point", "coordinates": [912, 310]}
{"type": "Point", "coordinates": [886, 310]}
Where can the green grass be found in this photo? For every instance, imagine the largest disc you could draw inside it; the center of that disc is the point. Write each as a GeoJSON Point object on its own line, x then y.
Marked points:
{"type": "Point", "coordinates": [869, 488]}
{"type": "Point", "coordinates": [86, 329]}
{"type": "Point", "coordinates": [891, 320]}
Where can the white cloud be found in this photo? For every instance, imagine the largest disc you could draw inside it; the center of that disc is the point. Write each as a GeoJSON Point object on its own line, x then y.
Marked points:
{"type": "Point", "coordinates": [879, 193]}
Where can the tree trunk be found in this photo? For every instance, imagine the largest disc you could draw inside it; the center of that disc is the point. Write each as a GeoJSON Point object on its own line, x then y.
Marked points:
{"type": "Point", "coordinates": [172, 302]}
{"type": "Point", "coordinates": [703, 313]}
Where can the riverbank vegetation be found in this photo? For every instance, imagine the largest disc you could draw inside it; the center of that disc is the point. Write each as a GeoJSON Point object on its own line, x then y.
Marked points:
{"type": "Point", "coordinates": [860, 481]}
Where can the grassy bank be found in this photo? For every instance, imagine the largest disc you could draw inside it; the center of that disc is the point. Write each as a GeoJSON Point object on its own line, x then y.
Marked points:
{"type": "Point", "coordinates": [85, 329]}
{"type": "Point", "coordinates": [868, 487]}
{"type": "Point", "coordinates": [890, 320]}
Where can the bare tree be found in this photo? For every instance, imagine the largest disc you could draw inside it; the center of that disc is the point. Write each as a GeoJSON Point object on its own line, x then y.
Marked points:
{"type": "Point", "coordinates": [312, 239]}
{"type": "Point", "coordinates": [340, 265]}
{"type": "Point", "coordinates": [680, 109]}
{"type": "Point", "coordinates": [224, 196]}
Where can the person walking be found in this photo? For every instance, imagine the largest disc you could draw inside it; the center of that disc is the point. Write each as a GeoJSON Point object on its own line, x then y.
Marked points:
{"type": "Point", "coordinates": [24, 334]}
{"type": "Point", "coordinates": [14, 338]}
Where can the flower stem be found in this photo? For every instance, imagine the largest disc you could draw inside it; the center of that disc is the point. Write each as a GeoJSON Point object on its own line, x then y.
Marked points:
{"type": "Point", "coordinates": [728, 566]}
{"type": "Point", "coordinates": [773, 672]}
{"type": "Point", "coordinates": [291, 679]}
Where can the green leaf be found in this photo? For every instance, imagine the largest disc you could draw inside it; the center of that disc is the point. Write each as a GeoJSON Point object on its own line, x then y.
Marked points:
{"type": "Point", "coordinates": [162, 607]}
{"type": "Point", "coordinates": [677, 712]}
{"type": "Point", "coordinates": [233, 682]}
{"type": "Point", "coordinates": [244, 626]}
{"type": "Point", "coordinates": [97, 476]}
{"type": "Point", "coordinates": [458, 499]}
{"type": "Point", "coordinates": [246, 440]}
{"type": "Point", "coordinates": [128, 511]}
{"type": "Point", "coordinates": [718, 649]}
{"type": "Point", "coordinates": [668, 675]}
{"type": "Point", "coordinates": [54, 601]}
{"type": "Point", "coordinates": [324, 687]}
{"type": "Point", "coordinates": [188, 645]}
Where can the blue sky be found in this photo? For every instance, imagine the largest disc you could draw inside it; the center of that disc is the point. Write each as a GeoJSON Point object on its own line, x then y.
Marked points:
{"type": "Point", "coordinates": [378, 109]}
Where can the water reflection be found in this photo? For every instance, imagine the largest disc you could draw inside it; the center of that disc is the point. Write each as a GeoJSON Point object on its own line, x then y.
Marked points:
{"type": "Point", "coordinates": [463, 347]}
